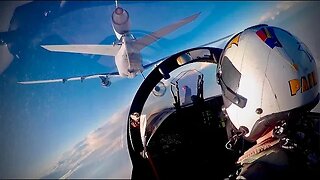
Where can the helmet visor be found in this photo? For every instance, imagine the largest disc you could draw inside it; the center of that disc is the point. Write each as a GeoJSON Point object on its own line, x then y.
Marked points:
{"type": "Point", "coordinates": [229, 78]}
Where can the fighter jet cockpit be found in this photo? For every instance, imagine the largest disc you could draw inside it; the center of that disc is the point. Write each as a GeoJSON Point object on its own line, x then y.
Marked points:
{"type": "Point", "coordinates": [175, 120]}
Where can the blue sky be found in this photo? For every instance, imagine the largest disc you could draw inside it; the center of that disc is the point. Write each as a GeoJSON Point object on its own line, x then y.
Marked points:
{"type": "Point", "coordinates": [77, 129]}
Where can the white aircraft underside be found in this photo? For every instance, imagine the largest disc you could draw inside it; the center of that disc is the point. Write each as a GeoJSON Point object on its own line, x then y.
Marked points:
{"type": "Point", "coordinates": [126, 51]}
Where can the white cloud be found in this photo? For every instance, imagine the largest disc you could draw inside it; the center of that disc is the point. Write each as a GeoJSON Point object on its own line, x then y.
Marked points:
{"type": "Point", "coordinates": [273, 13]}
{"type": "Point", "coordinates": [100, 155]}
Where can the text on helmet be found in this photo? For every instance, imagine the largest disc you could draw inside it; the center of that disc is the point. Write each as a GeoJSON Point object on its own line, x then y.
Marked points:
{"type": "Point", "coordinates": [305, 83]}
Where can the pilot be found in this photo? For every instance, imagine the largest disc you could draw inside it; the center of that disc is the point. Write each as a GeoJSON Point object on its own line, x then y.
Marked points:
{"type": "Point", "coordinates": [269, 84]}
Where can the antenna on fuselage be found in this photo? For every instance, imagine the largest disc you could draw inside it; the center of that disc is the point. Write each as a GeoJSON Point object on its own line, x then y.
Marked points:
{"type": "Point", "coordinates": [116, 3]}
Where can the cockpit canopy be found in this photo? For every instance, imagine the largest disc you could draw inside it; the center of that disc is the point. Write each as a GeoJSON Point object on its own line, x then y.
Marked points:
{"type": "Point", "coordinates": [174, 115]}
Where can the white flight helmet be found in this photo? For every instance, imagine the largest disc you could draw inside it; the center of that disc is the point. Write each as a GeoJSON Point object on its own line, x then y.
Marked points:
{"type": "Point", "coordinates": [264, 73]}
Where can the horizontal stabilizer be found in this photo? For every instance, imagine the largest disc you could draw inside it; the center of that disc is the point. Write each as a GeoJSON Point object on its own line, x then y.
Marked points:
{"type": "Point", "coordinates": [80, 78]}
{"type": "Point", "coordinates": [108, 50]}
{"type": "Point", "coordinates": [150, 38]}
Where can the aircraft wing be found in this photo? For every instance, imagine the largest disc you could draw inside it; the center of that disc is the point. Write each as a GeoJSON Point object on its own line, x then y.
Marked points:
{"type": "Point", "coordinates": [150, 38]}
{"type": "Point", "coordinates": [108, 50]}
{"type": "Point", "coordinates": [80, 78]}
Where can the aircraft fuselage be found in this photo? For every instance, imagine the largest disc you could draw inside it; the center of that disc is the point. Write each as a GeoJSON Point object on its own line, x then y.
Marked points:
{"type": "Point", "coordinates": [128, 59]}
{"type": "Point", "coordinates": [126, 49]}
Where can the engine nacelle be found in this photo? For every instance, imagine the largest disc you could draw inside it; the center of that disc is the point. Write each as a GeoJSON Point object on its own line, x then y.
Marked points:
{"type": "Point", "coordinates": [120, 21]}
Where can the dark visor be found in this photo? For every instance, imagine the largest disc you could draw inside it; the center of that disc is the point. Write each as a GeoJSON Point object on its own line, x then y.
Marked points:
{"type": "Point", "coordinates": [229, 78]}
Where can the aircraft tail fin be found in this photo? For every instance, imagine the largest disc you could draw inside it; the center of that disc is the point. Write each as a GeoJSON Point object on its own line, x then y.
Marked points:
{"type": "Point", "coordinates": [150, 38]}
{"type": "Point", "coordinates": [108, 50]}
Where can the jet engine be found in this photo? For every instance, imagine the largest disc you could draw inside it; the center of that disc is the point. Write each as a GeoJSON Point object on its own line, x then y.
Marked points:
{"type": "Point", "coordinates": [120, 21]}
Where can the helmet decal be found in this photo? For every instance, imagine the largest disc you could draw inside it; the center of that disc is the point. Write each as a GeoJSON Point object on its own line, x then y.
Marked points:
{"type": "Point", "coordinates": [267, 35]}
{"type": "Point", "coordinates": [306, 83]}
{"type": "Point", "coordinates": [234, 41]}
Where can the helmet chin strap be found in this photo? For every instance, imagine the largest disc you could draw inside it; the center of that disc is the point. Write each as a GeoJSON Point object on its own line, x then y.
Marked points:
{"type": "Point", "coordinates": [236, 134]}
{"type": "Point", "coordinates": [242, 131]}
